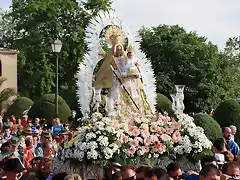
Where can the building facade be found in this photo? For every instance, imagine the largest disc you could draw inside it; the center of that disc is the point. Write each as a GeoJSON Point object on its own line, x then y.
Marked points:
{"type": "Point", "coordinates": [8, 67]}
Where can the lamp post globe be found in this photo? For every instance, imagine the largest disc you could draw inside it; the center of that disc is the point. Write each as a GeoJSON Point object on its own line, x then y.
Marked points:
{"type": "Point", "coordinates": [56, 48]}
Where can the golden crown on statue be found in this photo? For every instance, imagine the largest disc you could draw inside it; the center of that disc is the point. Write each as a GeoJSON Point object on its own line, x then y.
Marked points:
{"type": "Point", "coordinates": [130, 48]}
{"type": "Point", "coordinates": [114, 35]}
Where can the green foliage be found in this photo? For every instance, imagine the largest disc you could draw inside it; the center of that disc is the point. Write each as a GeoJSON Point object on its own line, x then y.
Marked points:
{"type": "Point", "coordinates": [164, 104]}
{"type": "Point", "coordinates": [185, 58]}
{"type": "Point", "coordinates": [232, 65]}
{"type": "Point", "coordinates": [5, 95]}
{"type": "Point", "coordinates": [19, 106]}
{"type": "Point", "coordinates": [45, 108]}
{"type": "Point", "coordinates": [6, 26]}
{"type": "Point", "coordinates": [211, 128]}
{"type": "Point", "coordinates": [228, 113]}
{"type": "Point", "coordinates": [34, 26]}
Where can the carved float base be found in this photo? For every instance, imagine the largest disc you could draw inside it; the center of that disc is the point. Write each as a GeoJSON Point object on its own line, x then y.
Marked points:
{"type": "Point", "coordinates": [87, 172]}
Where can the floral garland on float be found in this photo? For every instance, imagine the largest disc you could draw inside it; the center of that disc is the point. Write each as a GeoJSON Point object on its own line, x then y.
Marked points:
{"type": "Point", "coordinates": [138, 139]}
{"type": "Point", "coordinates": [135, 140]}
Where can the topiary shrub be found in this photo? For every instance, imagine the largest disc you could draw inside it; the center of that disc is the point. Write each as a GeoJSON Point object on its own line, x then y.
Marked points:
{"type": "Point", "coordinates": [19, 106]}
{"type": "Point", "coordinates": [228, 113]}
{"type": "Point", "coordinates": [164, 104]}
{"type": "Point", "coordinates": [211, 128]}
{"type": "Point", "coordinates": [45, 108]}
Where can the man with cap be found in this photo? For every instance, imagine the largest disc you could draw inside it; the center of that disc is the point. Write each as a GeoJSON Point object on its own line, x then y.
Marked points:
{"type": "Point", "coordinates": [14, 148]}
{"type": "Point", "coordinates": [27, 131]}
{"type": "Point", "coordinates": [45, 136]}
{"type": "Point", "coordinates": [12, 169]}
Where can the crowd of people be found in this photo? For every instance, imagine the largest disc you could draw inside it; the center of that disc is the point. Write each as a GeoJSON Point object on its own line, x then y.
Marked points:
{"type": "Point", "coordinates": [222, 165]}
{"type": "Point", "coordinates": [27, 148]}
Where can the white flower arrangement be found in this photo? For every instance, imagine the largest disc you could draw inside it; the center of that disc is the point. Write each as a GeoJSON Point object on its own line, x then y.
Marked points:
{"type": "Point", "coordinates": [193, 138]}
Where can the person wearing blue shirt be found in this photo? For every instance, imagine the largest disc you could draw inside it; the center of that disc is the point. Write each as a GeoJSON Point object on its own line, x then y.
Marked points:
{"type": "Point", "coordinates": [57, 128]}
{"type": "Point", "coordinates": [231, 145]}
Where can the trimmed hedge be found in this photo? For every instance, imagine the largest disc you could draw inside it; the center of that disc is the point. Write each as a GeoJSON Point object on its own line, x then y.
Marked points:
{"type": "Point", "coordinates": [45, 108]}
{"type": "Point", "coordinates": [228, 113]}
{"type": "Point", "coordinates": [19, 106]}
{"type": "Point", "coordinates": [164, 104]}
{"type": "Point", "coordinates": [211, 128]}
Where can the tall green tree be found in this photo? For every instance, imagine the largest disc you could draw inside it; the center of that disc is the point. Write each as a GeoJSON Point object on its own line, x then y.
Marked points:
{"type": "Point", "coordinates": [37, 24]}
{"type": "Point", "coordinates": [6, 29]}
{"type": "Point", "coordinates": [179, 57]}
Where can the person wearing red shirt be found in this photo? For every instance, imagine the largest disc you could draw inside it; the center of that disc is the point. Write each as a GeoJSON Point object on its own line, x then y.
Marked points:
{"type": "Point", "coordinates": [24, 120]}
{"type": "Point", "coordinates": [13, 120]}
{"type": "Point", "coordinates": [28, 152]}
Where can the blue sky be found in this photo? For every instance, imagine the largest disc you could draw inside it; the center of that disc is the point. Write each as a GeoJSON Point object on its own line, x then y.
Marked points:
{"type": "Point", "coordinates": [215, 19]}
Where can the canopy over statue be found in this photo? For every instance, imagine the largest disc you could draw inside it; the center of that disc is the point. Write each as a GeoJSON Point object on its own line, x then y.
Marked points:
{"type": "Point", "coordinates": [124, 81]}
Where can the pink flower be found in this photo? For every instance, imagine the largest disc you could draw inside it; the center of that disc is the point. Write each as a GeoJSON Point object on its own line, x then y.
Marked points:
{"type": "Point", "coordinates": [160, 117]}
{"type": "Point", "coordinates": [145, 149]}
{"type": "Point", "coordinates": [134, 131]}
{"type": "Point", "coordinates": [159, 148]}
{"type": "Point", "coordinates": [139, 139]}
{"type": "Point", "coordinates": [164, 119]}
{"type": "Point", "coordinates": [165, 137]}
{"type": "Point", "coordinates": [176, 126]}
{"type": "Point", "coordinates": [131, 150]}
{"type": "Point", "coordinates": [147, 141]}
{"type": "Point", "coordinates": [134, 142]}
{"type": "Point", "coordinates": [125, 139]}
{"type": "Point", "coordinates": [169, 131]}
{"type": "Point", "coordinates": [145, 133]}
{"type": "Point", "coordinates": [154, 138]}
{"type": "Point", "coordinates": [161, 130]}
{"type": "Point", "coordinates": [176, 136]}
{"type": "Point", "coordinates": [153, 128]}
{"type": "Point", "coordinates": [122, 139]}
{"type": "Point", "coordinates": [160, 122]}
{"type": "Point", "coordinates": [168, 119]}
{"type": "Point", "coordinates": [118, 142]}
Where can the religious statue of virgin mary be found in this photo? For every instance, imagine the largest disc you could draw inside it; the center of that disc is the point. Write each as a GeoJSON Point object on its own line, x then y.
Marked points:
{"type": "Point", "coordinates": [120, 74]}
{"type": "Point", "coordinates": [125, 73]}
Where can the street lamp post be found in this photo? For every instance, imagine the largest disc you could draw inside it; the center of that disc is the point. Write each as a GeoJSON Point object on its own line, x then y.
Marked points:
{"type": "Point", "coordinates": [56, 48]}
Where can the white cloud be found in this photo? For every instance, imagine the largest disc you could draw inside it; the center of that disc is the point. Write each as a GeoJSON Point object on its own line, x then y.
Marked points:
{"type": "Point", "coordinates": [215, 19]}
